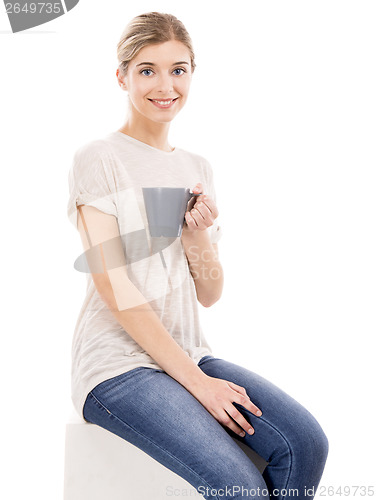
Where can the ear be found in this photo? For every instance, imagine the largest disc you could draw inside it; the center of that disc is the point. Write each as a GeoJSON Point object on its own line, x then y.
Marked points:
{"type": "Point", "coordinates": [120, 80]}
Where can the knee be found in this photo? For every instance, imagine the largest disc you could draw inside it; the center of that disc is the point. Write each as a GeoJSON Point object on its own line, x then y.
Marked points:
{"type": "Point", "coordinates": [313, 442]}
{"type": "Point", "coordinates": [321, 446]}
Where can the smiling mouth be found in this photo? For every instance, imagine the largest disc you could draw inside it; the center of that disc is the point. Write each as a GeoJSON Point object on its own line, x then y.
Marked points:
{"type": "Point", "coordinates": [163, 102]}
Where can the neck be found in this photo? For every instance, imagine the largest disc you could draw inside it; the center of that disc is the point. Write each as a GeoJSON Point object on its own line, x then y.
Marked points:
{"type": "Point", "coordinates": [153, 133]}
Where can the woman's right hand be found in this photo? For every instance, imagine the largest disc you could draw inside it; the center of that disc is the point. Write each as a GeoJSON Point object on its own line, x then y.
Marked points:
{"type": "Point", "coordinates": [217, 396]}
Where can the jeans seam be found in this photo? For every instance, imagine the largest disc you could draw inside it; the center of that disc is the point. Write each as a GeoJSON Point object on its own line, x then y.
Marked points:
{"type": "Point", "coordinates": [288, 445]}
{"type": "Point", "coordinates": [155, 444]}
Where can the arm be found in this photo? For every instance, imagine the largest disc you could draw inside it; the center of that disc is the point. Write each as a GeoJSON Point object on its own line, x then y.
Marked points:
{"type": "Point", "coordinates": [204, 265]}
{"type": "Point", "coordinates": [100, 231]}
{"type": "Point", "coordinates": [202, 255]}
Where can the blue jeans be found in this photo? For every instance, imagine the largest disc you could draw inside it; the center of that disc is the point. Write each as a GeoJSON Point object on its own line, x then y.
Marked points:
{"type": "Point", "coordinates": [151, 410]}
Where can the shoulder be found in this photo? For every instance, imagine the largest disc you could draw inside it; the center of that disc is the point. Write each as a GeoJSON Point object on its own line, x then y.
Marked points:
{"type": "Point", "coordinates": [198, 159]}
{"type": "Point", "coordinates": [93, 158]}
{"type": "Point", "coordinates": [96, 148]}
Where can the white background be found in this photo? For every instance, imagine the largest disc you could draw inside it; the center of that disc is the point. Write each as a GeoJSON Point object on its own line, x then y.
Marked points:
{"type": "Point", "coordinates": [283, 106]}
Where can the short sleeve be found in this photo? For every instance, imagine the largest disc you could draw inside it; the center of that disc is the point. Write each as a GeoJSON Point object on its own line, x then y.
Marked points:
{"type": "Point", "coordinates": [91, 180]}
{"type": "Point", "coordinates": [215, 231]}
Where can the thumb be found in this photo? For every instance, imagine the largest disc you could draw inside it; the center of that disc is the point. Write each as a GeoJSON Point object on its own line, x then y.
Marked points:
{"type": "Point", "coordinates": [198, 188]}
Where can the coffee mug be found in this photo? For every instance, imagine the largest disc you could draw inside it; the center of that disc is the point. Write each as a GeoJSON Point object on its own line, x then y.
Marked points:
{"type": "Point", "coordinates": [165, 209]}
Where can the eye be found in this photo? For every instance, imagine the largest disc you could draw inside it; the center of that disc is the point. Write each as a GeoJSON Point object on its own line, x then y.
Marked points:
{"type": "Point", "coordinates": [180, 69]}
{"type": "Point", "coordinates": [147, 69]}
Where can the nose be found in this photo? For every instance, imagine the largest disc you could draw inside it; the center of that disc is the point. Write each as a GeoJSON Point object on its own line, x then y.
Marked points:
{"type": "Point", "coordinates": [165, 83]}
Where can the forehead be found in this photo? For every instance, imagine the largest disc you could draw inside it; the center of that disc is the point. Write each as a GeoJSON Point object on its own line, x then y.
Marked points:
{"type": "Point", "coordinates": [165, 53]}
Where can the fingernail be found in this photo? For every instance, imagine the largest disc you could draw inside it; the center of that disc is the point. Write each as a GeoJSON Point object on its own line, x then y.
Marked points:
{"type": "Point", "coordinates": [258, 413]}
{"type": "Point", "coordinates": [242, 434]}
{"type": "Point", "coordinates": [251, 431]}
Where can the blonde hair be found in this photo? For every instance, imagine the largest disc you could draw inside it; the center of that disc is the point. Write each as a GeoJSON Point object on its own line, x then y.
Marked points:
{"type": "Point", "coordinates": [151, 28]}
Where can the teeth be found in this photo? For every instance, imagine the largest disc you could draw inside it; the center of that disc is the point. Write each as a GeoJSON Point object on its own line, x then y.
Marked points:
{"type": "Point", "coordinates": [166, 103]}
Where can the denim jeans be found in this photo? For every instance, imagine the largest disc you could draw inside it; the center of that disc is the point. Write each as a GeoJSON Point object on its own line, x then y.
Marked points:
{"type": "Point", "coordinates": [150, 409]}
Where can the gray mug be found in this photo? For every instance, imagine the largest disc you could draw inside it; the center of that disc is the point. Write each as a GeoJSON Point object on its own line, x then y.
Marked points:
{"type": "Point", "coordinates": [165, 209]}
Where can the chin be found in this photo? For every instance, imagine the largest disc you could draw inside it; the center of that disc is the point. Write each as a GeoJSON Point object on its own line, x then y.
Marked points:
{"type": "Point", "coordinates": [162, 121]}
{"type": "Point", "coordinates": [159, 118]}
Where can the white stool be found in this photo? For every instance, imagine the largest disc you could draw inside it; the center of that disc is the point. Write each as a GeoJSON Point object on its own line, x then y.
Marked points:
{"type": "Point", "coordinates": [102, 466]}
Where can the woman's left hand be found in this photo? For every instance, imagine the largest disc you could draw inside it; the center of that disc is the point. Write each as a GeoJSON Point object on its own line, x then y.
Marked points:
{"type": "Point", "coordinates": [203, 212]}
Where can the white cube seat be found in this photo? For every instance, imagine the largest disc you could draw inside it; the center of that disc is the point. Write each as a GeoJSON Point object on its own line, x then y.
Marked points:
{"type": "Point", "coordinates": [101, 465]}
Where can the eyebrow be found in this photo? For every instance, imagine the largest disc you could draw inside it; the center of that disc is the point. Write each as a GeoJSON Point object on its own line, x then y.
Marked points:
{"type": "Point", "coordinates": [152, 64]}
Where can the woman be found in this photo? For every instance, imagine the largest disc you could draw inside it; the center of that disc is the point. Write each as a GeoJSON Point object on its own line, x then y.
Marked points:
{"type": "Point", "coordinates": [141, 366]}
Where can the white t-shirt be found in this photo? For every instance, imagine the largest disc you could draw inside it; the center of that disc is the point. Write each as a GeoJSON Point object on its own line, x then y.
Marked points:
{"type": "Point", "coordinates": [109, 174]}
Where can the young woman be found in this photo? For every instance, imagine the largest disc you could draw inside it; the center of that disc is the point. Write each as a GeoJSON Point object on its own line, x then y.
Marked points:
{"type": "Point", "coordinates": [141, 366]}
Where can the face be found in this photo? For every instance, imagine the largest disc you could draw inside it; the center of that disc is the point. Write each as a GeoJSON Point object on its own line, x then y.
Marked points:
{"type": "Point", "coordinates": [158, 80]}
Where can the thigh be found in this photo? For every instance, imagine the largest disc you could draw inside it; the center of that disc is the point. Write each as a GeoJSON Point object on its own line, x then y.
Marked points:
{"type": "Point", "coordinates": [285, 427]}
{"type": "Point", "coordinates": [153, 411]}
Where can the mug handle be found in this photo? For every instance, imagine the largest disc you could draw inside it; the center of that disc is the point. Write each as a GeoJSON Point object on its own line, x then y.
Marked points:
{"type": "Point", "coordinates": [190, 204]}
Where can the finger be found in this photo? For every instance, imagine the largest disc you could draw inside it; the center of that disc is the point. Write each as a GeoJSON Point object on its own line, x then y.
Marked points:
{"type": "Point", "coordinates": [209, 203]}
{"type": "Point", "coordinates": [247, 403]}
{"type": "Point", "coordinates": [228, 421]}
{"type": "Point", "coordinates": [239, 419]}
{"type": "Point", "coordinates": [190, 220]}
{"type": "Point", "coordinates": [237, 388]}
{"type": "Point", "coordinates": [203, 209]}
{"type": "Point", "coordinates": [196, 215]}
{"type": "Point", "coordinates": [207, 213]}
{"type": "Point", "coordinates": [243, 399]}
